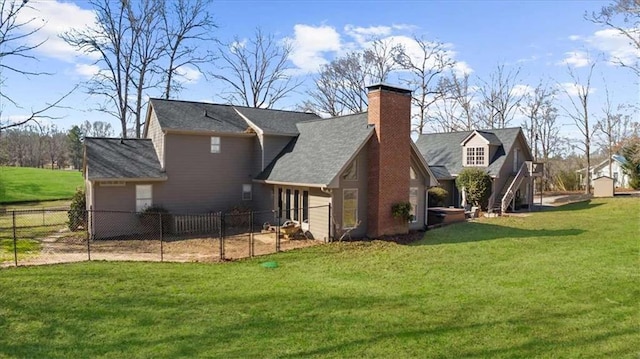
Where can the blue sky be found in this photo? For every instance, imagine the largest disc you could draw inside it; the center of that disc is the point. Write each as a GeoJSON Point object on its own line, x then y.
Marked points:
{"type": "Point", "coordinates": [543, 38]}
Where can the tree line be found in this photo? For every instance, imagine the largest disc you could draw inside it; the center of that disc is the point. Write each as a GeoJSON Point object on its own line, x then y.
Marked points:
{"type": "Point", "coordinates": [46, 146]}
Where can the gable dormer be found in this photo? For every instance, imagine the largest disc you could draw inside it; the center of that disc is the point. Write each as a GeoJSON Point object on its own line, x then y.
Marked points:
{"type": "Point", "coordinates": [478, 148]}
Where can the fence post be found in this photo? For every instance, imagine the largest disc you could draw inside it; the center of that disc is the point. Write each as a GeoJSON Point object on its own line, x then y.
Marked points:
{"type": "Point", "coordinates": [221, 215]}
{"type": "Point", "coordinates": [15, 239]}
{"type": "Point", "coordinates": [278, 232]}
{"type": "Point", "coordinates": [91, 228]}
{"type": "Point", "coordinates": [161, 239]}
{"type": "Point", "coordinates": [251, 234]}
{"type": "Point", "coordinates": [329, 221]}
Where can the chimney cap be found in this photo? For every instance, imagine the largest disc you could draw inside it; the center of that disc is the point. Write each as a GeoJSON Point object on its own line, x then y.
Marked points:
{"type": "Point", "coordinates": [387, 87]}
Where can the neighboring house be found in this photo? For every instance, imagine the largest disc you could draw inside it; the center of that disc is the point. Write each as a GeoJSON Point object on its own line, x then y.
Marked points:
{"type": "Point", "coordinates": [200, 158]}
{"type": "Point", "coordinates": [620, 178]}
{"type": "Point", "coordinates": [503, 153]}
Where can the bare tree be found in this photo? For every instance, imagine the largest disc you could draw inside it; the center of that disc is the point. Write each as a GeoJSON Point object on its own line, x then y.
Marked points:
{"type": "Point", "coordinates": [624, 17]}
{"type": "Point", "coordinates": [147, 49]}
{"type": "Point", "coordinates": [340, 87]}
{"type": "Point", "coordinates": [187, 25]}
{"type": "Point", "coordinates": [456, 111]}
{"type": "Point", "coordinates": [425, 75]}
{"type": "Point", "coordinates": [549, 133]}
{"type": "Point", "coordinates": [13, 45]}
{"type": "Point", "coordinates": [54, 146]}
{"type": "Point", "coordinates": [611, 129]}
{"type": "Point", "coordinates": [96, 129]}
{"type": "Point", "coordinates": [500, 100]}
{"type": "Point", "coordinates": [579, 113]}
{"type": "Point", "coordinates": [256, 70]}
{"type": "Point", "coordinates": [380, 59]}
{"type": "Point", "coordinates": [535, 105]}
{"type": "Point", "coordinates": [113, 41]}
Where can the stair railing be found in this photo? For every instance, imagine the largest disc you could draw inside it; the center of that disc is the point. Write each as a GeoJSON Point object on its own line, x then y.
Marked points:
{"type": "Point", "coordinates": [511, 191]}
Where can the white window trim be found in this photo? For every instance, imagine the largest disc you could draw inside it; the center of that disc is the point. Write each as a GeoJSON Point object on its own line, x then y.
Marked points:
{"type": "Point", "coordinates": [472, 157]}
{"type": "Point", "coordinates": [344, 191]}
{"type": "Point", "coordinates": [148, 201]}
{"type": "Point", "coordinates": [216, 144]}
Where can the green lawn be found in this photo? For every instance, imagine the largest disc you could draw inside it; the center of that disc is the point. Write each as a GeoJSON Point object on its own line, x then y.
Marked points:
{"type": "Point", "coordinates": [562, 283]}
{"type": "Point", "coordinates": [22, 184]}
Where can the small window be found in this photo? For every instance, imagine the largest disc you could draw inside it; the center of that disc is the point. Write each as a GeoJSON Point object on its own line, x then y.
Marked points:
{"type": "Point", "coordinates": [215, 144]}
{"type": "Point", "coordinates": [351, 172]}
{"type": "Point", "coordinates": [412, 173]}
{"type": "Point", "coordinates": [143, 197]}
{"type": "Point", "coordinates": [349, 208]}
{"type": "Point", "coordinates": [413, 199]}
{"type": "Point", "coordinates": [475, 156]}
{"type": "Point", "coordinates": [246, 192]}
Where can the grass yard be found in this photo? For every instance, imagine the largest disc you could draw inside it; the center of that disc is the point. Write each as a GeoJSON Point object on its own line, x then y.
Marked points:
{"type": "Point", "coordinates": [23, 184]}
{"type": "Point", "coordinates": [562, 283]}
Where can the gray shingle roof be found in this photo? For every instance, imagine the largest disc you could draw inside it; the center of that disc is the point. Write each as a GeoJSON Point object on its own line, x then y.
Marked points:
{"type": "Point", "coordinates": [113, 158]}
{"type": "Point", "coordinates": [197, 116]}
{"type": "Point", "coordinates": [201, 116]}
{"type": "Point", "coordinates": [444, 149]}
{"type": "Point", "coordinates": [440, 172]}
{"type": "Point", "coordinates": [276, 121]}
{"type": "Point", "coordinates": [321, 150]}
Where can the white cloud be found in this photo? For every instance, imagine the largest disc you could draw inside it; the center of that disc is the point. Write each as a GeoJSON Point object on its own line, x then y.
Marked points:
{"type": "Point", "coordinates": [188, 75]}
{"type": "Point", "coordinates": [614, 45]}
{"type": "Point", "coordinates": [54, 18]}
{"type": "Point", "coordinates": [87, 70]}
{"type": "Point", "coordinates": [363, 35]}
{"type": "Point", "coordinates": [572, 89]}
{"type": "Point", "coordinates": [310, 44]}
{"type": "Point", "coordinates": [576, 59]}
{"type": "Point", "coordinates": [461, 68]}
{"type": "Point", "coordinates": [575, 37]}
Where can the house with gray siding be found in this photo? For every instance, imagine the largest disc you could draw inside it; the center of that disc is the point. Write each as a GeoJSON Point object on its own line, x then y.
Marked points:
{"type": "Point", "coordinates": [503, 153]}
{"type": "Point", "coordinates": [200, 157]}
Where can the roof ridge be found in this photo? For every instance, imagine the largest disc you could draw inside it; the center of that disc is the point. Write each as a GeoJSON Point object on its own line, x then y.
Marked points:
{"type": "Point", "coordinates": [334, 118]}
{"type": "Point", "coordinates": [230, 105]}
{"type": "Point", "coordinates": [116, 138]}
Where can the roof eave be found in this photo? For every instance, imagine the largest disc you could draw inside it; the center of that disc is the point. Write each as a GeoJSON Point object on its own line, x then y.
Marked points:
{"type": "Point", "coordinates": [285, 183]}
{"type": "Point", "coordinates": [129, 179]}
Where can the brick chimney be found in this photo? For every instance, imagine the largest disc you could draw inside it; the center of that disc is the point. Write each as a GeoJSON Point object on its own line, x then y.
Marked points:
{"type": "Point", "coordinates": [389, 158]}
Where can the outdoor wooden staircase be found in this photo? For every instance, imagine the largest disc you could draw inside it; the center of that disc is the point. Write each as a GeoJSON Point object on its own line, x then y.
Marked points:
{"type": "Point", "coordinates": [510, 192]}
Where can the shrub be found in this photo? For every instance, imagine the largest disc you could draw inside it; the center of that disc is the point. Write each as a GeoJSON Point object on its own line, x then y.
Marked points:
{"type": "Point", "coordinates": [631, 167]}
{"type": "Point", "coordinates": [437, 196]}
{"type": "Point", "coordinates": [77, 213]}
{"type": "Point", "coordinates": [149, 218]}
{"type": "Point", "coordinates": [476, 184]}
{"type": "Point", "coordinates": [402, 211]}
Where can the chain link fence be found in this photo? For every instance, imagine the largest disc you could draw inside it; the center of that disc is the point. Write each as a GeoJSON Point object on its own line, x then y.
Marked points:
{"type": "Point", "coordinates": [45, 236]}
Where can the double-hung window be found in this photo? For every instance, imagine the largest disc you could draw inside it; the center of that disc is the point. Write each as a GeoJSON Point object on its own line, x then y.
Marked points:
{"type": "Point", "coordinates": [215, 144]}
{"type": "Point", "coordinates": [144, 197]}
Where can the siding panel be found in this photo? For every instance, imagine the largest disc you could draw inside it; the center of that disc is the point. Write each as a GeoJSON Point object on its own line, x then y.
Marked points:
{"type": "Point", "coordinates": [200, 181]}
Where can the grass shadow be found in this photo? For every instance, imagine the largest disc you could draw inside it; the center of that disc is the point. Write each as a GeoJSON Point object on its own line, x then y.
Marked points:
{"type": "Point", "coordinates": [573, 206]}
{"type": "Point", "coordinates": [480, 231]}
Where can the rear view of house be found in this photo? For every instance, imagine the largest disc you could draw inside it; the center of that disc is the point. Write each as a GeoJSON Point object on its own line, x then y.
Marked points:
{"type": "Point", "coordinates": [503, 153]}
{"type": "Point", "coordinates": [201, 158]}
